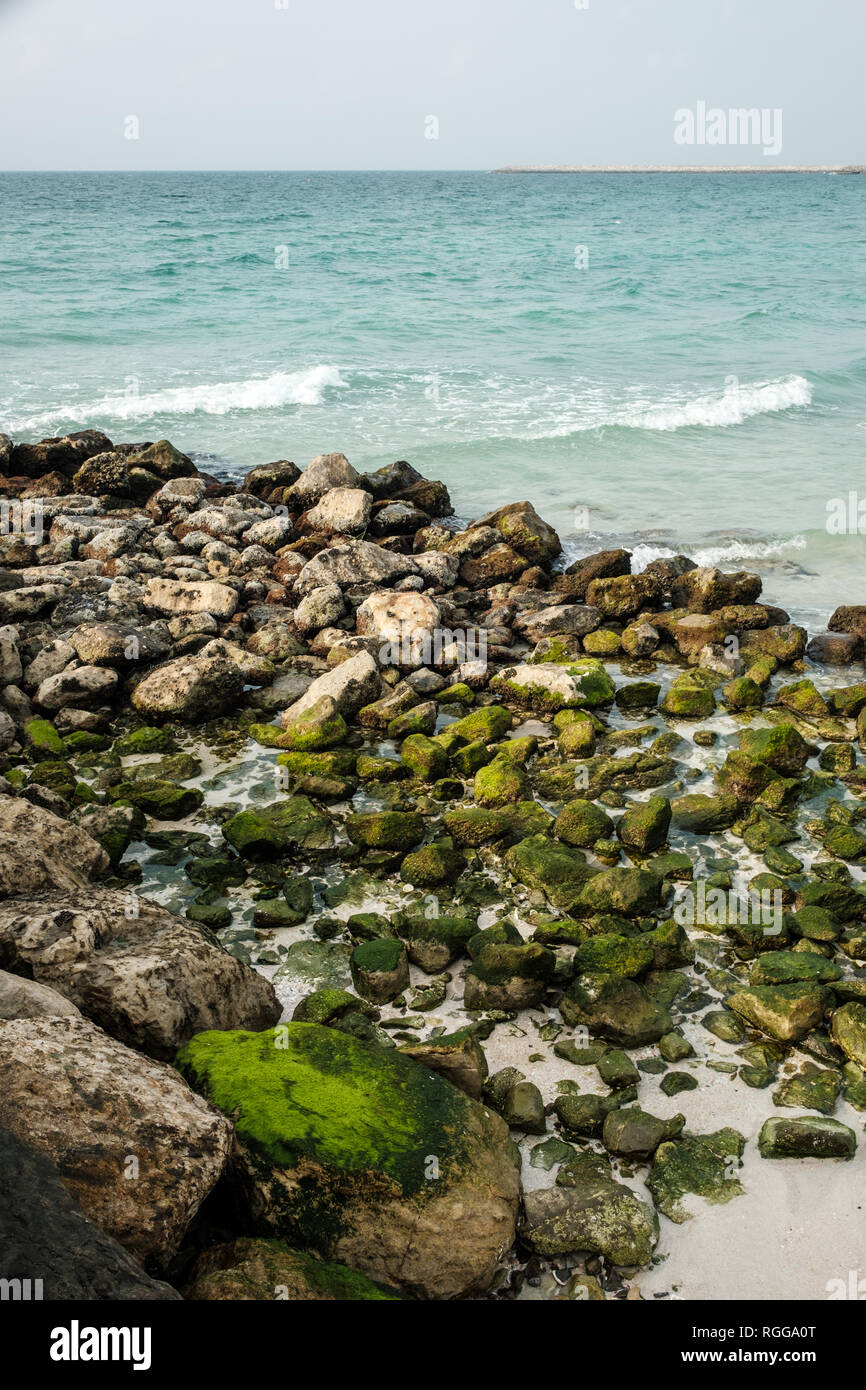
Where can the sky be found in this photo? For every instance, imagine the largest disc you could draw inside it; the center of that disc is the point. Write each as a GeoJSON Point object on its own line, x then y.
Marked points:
{"type": "Point", "coordinates": [422, 84]}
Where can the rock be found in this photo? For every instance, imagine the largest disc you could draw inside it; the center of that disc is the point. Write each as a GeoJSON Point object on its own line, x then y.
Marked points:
{"type": "Point", "coordinates": [350, 686]}
{"type": "Point", "coordinates": [81, 685]}
{"type": "Point", "coordinates": [170, 596]}
{"type": "Point", "coordinates": [598, 1215]}
{"type": "Point", "coordinates": [163, 459]}
{"type": "Point", "coordinates": [581, 823]}
{"type": "Point", "coordinates": [706, 589]}
{"type": "Point", "coordinates": [782, 748]}
{"type": "Point", "coordinates": [634, 1134]}
{"type": "Point", "coordinates": [577, 619]}
{"type": "Point", "coordinates": [632, 892]}
{"type": "Point", "coordinates": [523, 529]}
{"type": "Point", "coordinates": [116, 644]}
{"type": "Point", "coordinates": [326, 471]}
{"type": "Point", "coordinates": [39, 851]}
{"type": "Point", "coordinates": [147, 977]}
{"type": "Point", "coordinates": [319, 608]}
{"type": "Point", "coordinates": [265, 831]}
{"type": "Point", "coordinates": [703, 1165]}
{"type": "Point", "coordinates": [43, 1231]}
{"type": "Point", "coordinates": [385, 829]}
{"type": "Point", "coordinates": [380, 969]}
{"type": "Point", "coordinates": [834, 648]}
{"type": "Point", "coordinates": [787, 1012]}
{"type": "Point", "coordinates": [103, 473]}
{"type": "Point", "coordinates": [342, 509]}
{"type": "Point", "coordinates": [806, 1136]}
{"type": "Point", "coordinates": [146, 1125]}
{"type": "Point", "coordinates": [523, 1108]}
{"type": "Point", "coordinates": [848, 1031]}
{"type": "Point", "coordinates": [351, 563]}
{"type": "Point", "coordinates": [644, 827]}
{"type": "Point", "coordinates": [364, 1155]}
{"type": "Point", "coordinates": [703, 815]}
{"type": "Point", "coordinates": [605, 564]}
{"type": "Point", "coordinates": [22, 998]}
{"type": "Point", "coordinates": [404, 625]}
{"type": "Point", "coordinates": [509, 977]}
{"type": "Point", "coordinates": [850, 618]}
{"type": "Point", "coordinates": [271, 532]}
{"type": "Point", "coordinates": [548, 687]}
{"type": "Point", "coordinates": [189, 688]}
{"type": "Point", "coordinates": [625, 595]}
{"type": "Point", "coordinates": [249, 1269]}
{"type": "Point", "coordinates": [64, 455]}
{"type": "Point", "coordinates": [559, 871]}
{"type": "Point", "coordinates": [615, 1008]}
{"type": "Point", "coordinates": [434, 942]}
{"type": "Point", "coordinates": [458, 1057]}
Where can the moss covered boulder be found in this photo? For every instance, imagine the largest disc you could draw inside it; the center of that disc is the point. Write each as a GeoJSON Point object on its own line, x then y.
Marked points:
{"type": "Point", "coordinates": [702, 815]}
{"type": "Point", "coordinates": [689, 697]}
{"type": "Point", "coordinates": [425, 758]}
{"type": "Point", "coordinates": [264, 831]}
{"type": "Point", "coordinates": [782, 748]}
{"type": "Point", "coordinates": [434, 942]}
{"type": "Point", "coordinates": [509, 977]}
{"type": "Point", "coordinates": [560, 871]}
{"type": "Point", "coordinates": [432, 866]}
{"type": "Point", "coordinates": [251, 1269]}
{"type": "Point", "coordinates": [380, 969]}
{"type": "Point", "coordinates": [363, 1155]}
{"type": "Point", "coordinates": [644, 827]}
{"type": "Point", "coordinates": [487, 724]}
{"type": "Point", "coordinates": [848, 1031]}
{"type": "Point", "coordinates": [501, 783]}
{"type": "Point", "coordinates": [158, 798]}
{"type": "Point", "coordinates": [632, 892]}
{"type": "Point", "coordinates": [580, 823]}
{"type": "Point", "coordinates": [386, 829]}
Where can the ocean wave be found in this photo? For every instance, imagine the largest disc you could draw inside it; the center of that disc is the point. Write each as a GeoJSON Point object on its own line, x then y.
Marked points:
{"type": "Point", "coordinates": [217, 398]}
{"type": "Point", "coordinates": [725, 553]}
{"type": "Point", "coordinates": [734, 406]}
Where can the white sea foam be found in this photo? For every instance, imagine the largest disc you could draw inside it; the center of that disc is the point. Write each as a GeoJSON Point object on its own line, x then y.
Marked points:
{"type": "Point", "coordinates": [731, 407]}
{"type": "Point", "coordinates": [217, 398]}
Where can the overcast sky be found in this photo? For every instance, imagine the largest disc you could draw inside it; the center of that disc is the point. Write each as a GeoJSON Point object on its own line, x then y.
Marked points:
{"type": "Point", "coordinates": [350, 84]}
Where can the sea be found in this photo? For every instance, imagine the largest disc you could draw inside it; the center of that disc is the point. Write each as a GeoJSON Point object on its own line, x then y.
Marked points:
{"type": "Point", "coordinates": [671, 362]}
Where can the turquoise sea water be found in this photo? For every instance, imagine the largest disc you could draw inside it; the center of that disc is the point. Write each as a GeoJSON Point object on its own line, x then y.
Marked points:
{"type": "Point", "coordinates": [695, 378]}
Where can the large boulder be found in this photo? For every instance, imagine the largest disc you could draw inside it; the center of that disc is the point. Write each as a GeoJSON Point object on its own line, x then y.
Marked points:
{"type": "Point", "coordinates": [82, 685]}
{"type": "Point", "coordinates": [190, 688]}
{"type": "Point", "coordinates": [405, 622]}
{"type": "Point", "coordinates": [39, 851]}
{"type": "Point", "coordinates": [247, 1269]}
{"type": "Point", "coordinates": [364, 1155]}
{"type": "Point", "coordinates": [150, 979]}
{"type": "Point", "coordinates": [44, 1235]}
{"type": "Point", "coordinates": [596, 1214]}
{"type": "Point", "coordinates": [132, 1143]}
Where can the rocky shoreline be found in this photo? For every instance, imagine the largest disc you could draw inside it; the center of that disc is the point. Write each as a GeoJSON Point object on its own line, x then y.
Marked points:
{"type": "Point", "coordinates": [379, 900]}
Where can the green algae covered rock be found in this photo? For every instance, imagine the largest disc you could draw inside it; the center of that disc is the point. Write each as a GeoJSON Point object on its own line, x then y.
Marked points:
{"type": "Point", "coordinates": [644, 827]}
{"type": "Point", "coordinates": [619, 955]}
{"type": "Point", "coordinates": [425, 758]}
{"type": "Point", "coordinates": [594, 1214]}
{"type": "Point", "coordinates": [264, 831]}
{"type": "Point", "coordinates": [615, 1008]}
{"type": "Point", "coordinates": [363, 1155]}
{"type": "Point", "coordinates": [488, 724]}
{"type": "Point", "coordinates": [561, 872]}
{"type": "Point", "coordinates": [432, 866]}
{"type": "Point", "coordinates": [688, 698]}
{"type": "Point", "coordinates": [701, 1164]}
{"type": "Point", "coordinates": [806, 1136]}
{"type": "Point", "coordinates": [848, 1031]}
{"type": "Point", "coordinates": [434, 942]}
{"type": "Point", "coordinates": [785, 967]}
{"type": "Point", "coordinates": [782, 748]}
{"type": "Point", "coordinates": [509, 977]}
{"type": "Point", "coordinates": [500, 783]}
{"type": "Point", "coordinates": [580, 823]}
{"type": "Point", "coordinates": [633, 1133]}
{"type": "Point", "coordinates": [477, 825]}
{"type": "Point", "coordinates": [701, 815]}
{"type": "Point", "coordinates": [158, 798]}
{"type": "Point", "coordinates": [380, 969]}
{"type": "Point", "coordinates": [787, 1012]}
{"type": "Point", "coordinates": [385, 829]}
{"type": "Point", "coordinates": [251, 1269]}
{"type": "Point", "coordinates": [812, 1088]}
{"type": "Point", "coordinates": [632, 892]}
